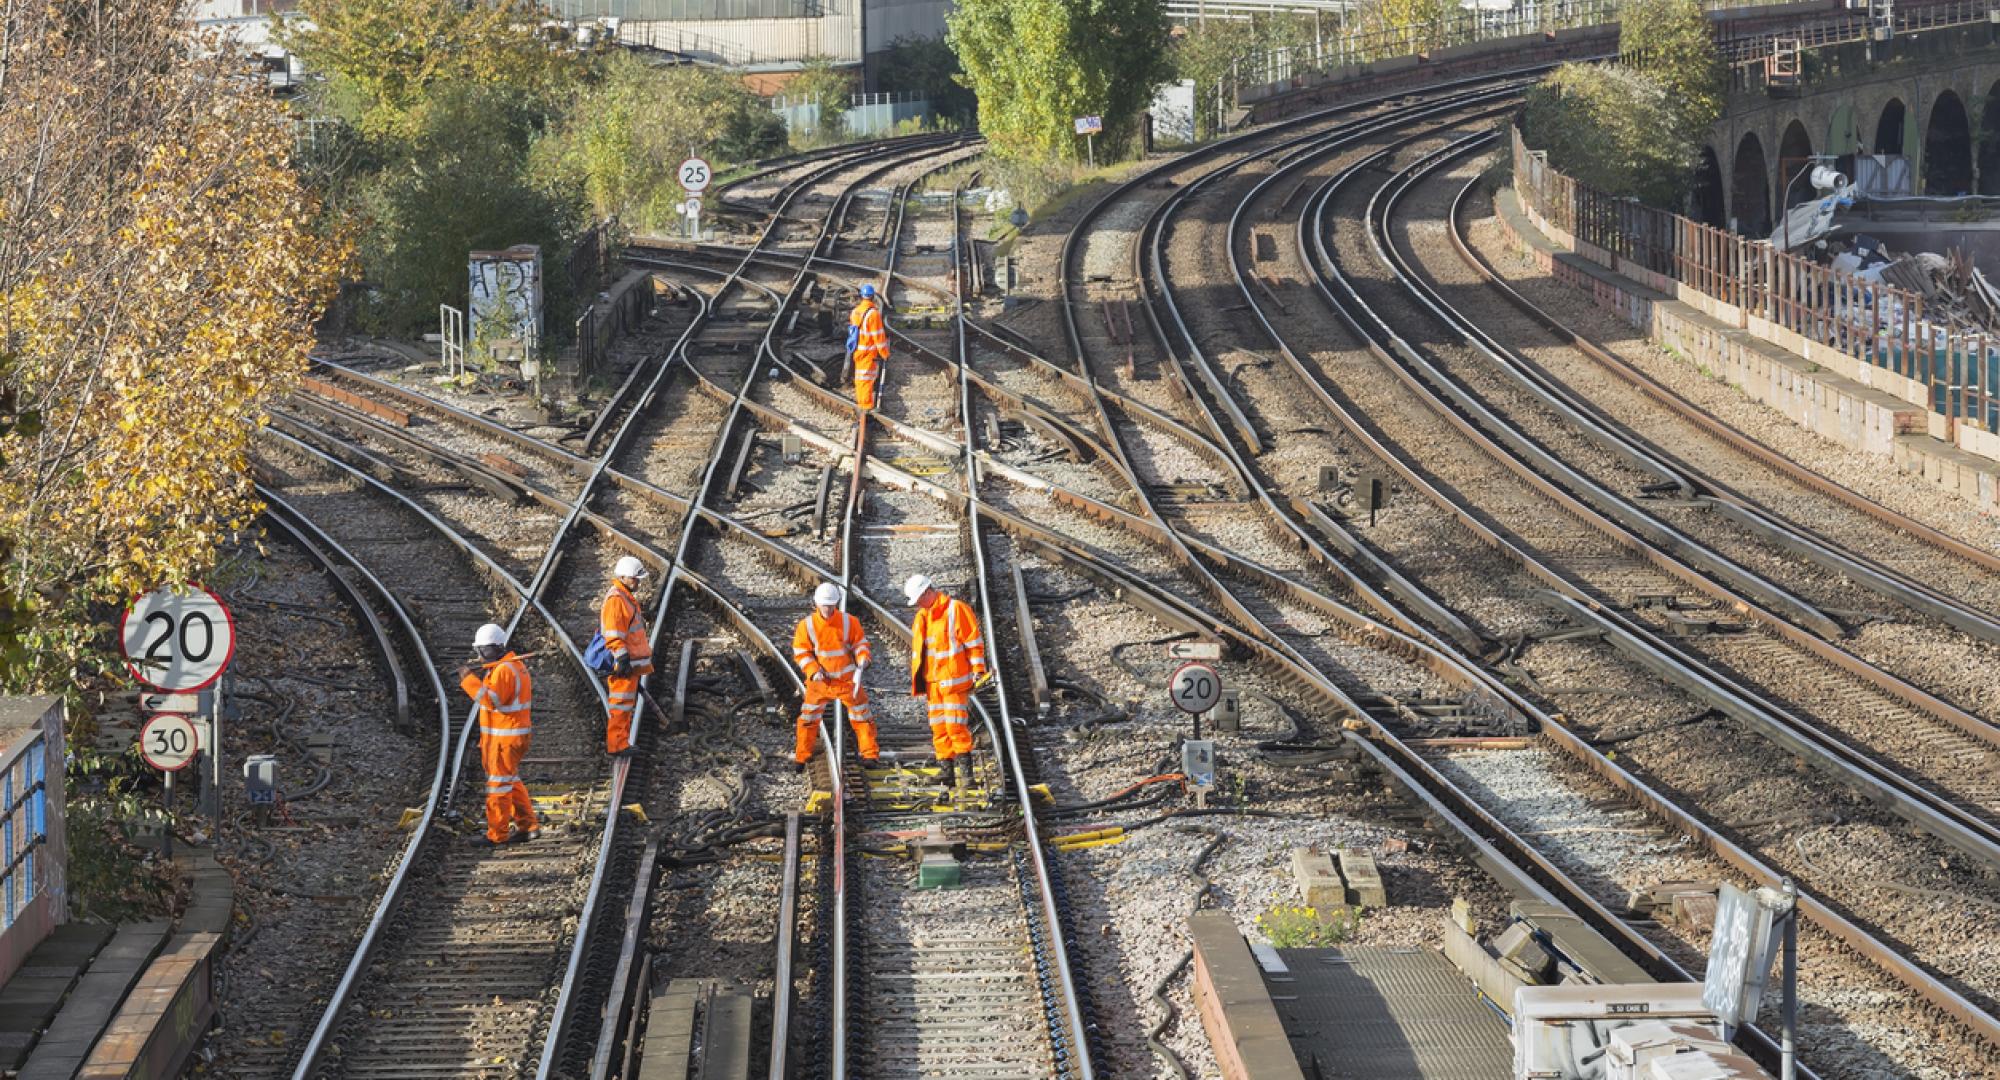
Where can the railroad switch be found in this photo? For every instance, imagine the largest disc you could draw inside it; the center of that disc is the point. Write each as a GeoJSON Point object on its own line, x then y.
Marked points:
{"type": "Point", "coordinates": [937, 859]}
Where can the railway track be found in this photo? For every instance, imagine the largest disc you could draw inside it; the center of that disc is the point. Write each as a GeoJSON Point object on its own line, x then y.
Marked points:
{"type": "Point", "coordinates": [1178, 479]}
{"type": "Point", "coordinates": [1273, 310]}
{"type": "Point", "coordinates": [423, 1011]}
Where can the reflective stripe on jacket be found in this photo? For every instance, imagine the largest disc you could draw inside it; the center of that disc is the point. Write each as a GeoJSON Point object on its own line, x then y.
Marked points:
{"type": "Point", "coordinates": [506, 697]}
{"type": "Point", "coordinates": [623, 626]}
{"type": "Point", "coordinates": [829, 646]}
{"type": "Point", "coordinates": [946, 651]}
{"type": "Point", "coordinates": [874, 337]}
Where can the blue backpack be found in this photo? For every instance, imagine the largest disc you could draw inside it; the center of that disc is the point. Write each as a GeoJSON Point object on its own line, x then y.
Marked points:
{"type": "Point", "coordinates": [597, 655]}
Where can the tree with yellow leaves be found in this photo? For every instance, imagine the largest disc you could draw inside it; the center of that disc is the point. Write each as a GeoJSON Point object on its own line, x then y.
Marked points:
{"type": "Point", "coordinates": [160, 276]}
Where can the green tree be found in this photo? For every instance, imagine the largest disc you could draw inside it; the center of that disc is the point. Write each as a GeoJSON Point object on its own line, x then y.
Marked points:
{"type": "Point", "coordinates": [1412, 25]}
{"type": "Point", "coordinates": [1036, 65]}
{"type": "Point", "coordinates": [618, 142]}
{"type": "Point", "coordinates": [1611, 128]}
{"type": "Point", "coordinates": [435, 134]}
{"type": "Point", "coordinates": [1672, 42]}
{"type": "Point", "coordinates": [465, 186]}
{"type": "Point", "coordinates": [928, 67]}
{"type": "Point", "coordinates": [831, 87]}
{"type": "Point", "coordinates": [383, 60]}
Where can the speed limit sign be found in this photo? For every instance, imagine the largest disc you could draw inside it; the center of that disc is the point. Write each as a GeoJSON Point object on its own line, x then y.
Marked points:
{"type": "Point", "coordinates": [695, 175]}
{"type": "Point", "coordinates": [168, 742]}
{"type": "Point", "coordinates": [177, 641]}
{"type": "Point", "coordinates": [1195, 688]}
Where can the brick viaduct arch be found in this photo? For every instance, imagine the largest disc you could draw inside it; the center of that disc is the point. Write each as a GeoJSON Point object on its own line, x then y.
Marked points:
{"type": "Point", "coordinates": [1947, 122]}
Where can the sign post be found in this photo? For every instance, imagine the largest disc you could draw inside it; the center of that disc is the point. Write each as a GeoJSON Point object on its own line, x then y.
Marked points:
{"type": "Point", "coordinates": [1194, 688]}
{"type": "Point", "coordinates": [1088, 127]}
{"type": "Point", "coordinates": [179, 643]}
{"type": "Point", "coordinates": [694, 175]}
{"type": "Point", "coordinates": [168, 742]}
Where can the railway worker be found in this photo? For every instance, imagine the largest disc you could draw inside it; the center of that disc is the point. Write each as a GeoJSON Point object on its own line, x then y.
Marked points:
{"type": "Point", "coordinates": [832, 652]}
{"type": "Point", "coordinates": [867, 345]}
{"type": "Point", "coordinates": [947, 663]}
{"type": "Point", "coordinates": [506, 696]}
{"type": "Point", "coordinates": [624, 629]}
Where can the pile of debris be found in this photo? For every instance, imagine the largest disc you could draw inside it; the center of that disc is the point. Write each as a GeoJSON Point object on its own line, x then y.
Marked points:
{"type": "Point", "coordinates": [1952, 288]}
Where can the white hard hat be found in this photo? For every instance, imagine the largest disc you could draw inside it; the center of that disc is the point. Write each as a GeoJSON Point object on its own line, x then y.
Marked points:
{"type": "Point", "coordinates": [629, 567]}
{"type": "Point", "coordinates": [915, 588]}
{"type": "Point", "coordinates": [827, 595]}
{"type": "Point", "coordinates": [490, 634]}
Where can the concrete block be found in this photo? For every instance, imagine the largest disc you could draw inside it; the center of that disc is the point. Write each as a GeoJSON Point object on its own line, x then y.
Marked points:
{"type": "Point", "coordinates": [1319, 883]}
{"type": "Point", "coordinates": [1695, 910]}
{"type": "Point", "coordinates": [1364, 884]}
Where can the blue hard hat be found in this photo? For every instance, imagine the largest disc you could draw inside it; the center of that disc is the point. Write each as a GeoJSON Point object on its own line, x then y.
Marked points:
{"type": "Point", "coordinates": [867, 290]}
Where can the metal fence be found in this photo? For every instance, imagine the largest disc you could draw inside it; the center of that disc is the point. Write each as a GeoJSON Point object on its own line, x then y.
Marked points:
{"type": "Point", "coordinates": [866, 115]}
{"type": "Point", "coordinates": [1753, 60]}
{"type": "Point", "coordinates": [1955, 366]}
{"type": "Point", "coordinates": [689, 10]}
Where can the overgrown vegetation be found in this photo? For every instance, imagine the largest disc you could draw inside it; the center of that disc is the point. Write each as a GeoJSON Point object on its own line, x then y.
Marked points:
{"type": "Point", "coordinates": [1308, 927]}
{"type": "Point", "coordinates": [1412, 25]}
{"type": "Point", "coordinates": [1636, 128]}
{"type": "Point", "coordinates": [1037, 65]}
{"type": "Point", "coordinates": [1211, 55]}
{"type": "Point", "coordinates": [618, 139]}
{"type": "Point", "coordinates": [828, 86]}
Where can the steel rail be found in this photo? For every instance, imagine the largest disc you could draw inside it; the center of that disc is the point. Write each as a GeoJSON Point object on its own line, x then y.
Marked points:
{"type": "Point", "coordinates": [301, 526]}
{"type": "Point", "coordinates": [1607, 433]}
{"type": "Point", "coordinates": [1635, 942]}
{"type": "Point", "coordinates": [1895, 965]}
{"type": "Point", "coordinates": [332, 1016]}
{"type": "Point", "coordinates": [308, 538]}
{"type": "Point", "coordinates": [1944, 817]}
{"type": "Point", "coordinates": [607, 1034]}
{"type": "Point", "coordinates": [1951, 824]}
{"type": "Point", "coordinates": [1002, 726]}
{"type": "Point", "coordinates": [530, 595]}
{"type": "Point", "coordinates": [1721, 431]}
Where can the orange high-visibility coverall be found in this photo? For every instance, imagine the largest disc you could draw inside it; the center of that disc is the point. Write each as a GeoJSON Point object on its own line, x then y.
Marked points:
{"type": "Point", "coordinates": [506, 697]}
{"type": "Point", "coordinates": [871, 348]}
{"type": "Point", "coordinates": [625, 635]}
{"type": "Point", "coordinates": [947, 656]}
{"type": "Point", "coordinates": [834, 648]}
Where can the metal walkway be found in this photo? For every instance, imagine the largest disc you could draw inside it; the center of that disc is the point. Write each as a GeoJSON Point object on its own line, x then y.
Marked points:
{"type": "Point", "coordinates": [1387, 1014]}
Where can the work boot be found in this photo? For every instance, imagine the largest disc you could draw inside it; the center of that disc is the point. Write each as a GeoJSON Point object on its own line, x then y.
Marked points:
{"type": "Point", "coordinates": [962, 765]}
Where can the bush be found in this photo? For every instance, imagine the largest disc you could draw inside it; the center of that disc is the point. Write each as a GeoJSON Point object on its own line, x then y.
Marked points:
{"type": "Point", "coordinates": [1635, 129]}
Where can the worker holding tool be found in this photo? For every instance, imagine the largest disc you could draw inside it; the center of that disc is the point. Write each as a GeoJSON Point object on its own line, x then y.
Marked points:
{"type": "Point", "coordinates": [832, 653]}
{"type": "Point", "coordinates": [624, 630]}
{"type": "Point", "coordinates": [947, 665]}
{"type": "Point", "coordinates": [867, 345]}
{"type": "Point", "coordinates": [499, 683]}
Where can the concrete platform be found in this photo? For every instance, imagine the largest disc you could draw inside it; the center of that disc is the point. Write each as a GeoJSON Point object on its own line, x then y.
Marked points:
{"type": "Point", "coordinates": [35, 992]}
{"type": "Point", "coordinates": [1386, 1014]}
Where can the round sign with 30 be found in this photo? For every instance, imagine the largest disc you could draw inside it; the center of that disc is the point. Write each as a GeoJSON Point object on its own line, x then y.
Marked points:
{"type": "Point", "coordinates": [168, 742]}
